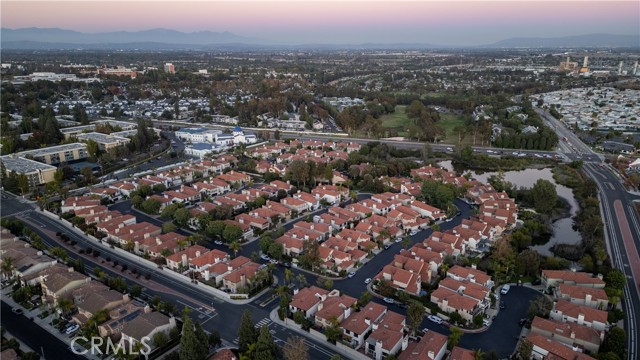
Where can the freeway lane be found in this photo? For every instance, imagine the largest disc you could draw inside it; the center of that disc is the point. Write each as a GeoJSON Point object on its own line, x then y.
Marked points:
{"type": "Point", "coordinates": [611, 192]}
{"type": "Point", "coordinates": [627, 239]}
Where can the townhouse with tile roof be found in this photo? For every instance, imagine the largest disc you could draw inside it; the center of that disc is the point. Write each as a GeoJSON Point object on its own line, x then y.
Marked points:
{"type": "Point", "coordinates": [400, 279]}
{"type": "Point", "coordinates": [432, 346]}
{"type": "Point", "coordinates": [579, 314]}
{"type": "Point", "coordinates": [335, 307]}
{"type": "Point", "coordinates": [592, 297]}
{"type": "Point", "coordinates": [551, 278]}
{"type": "Point", "coordinates": [546, 348]}
{"type": "Point", "coordinates": [359, 324]}
{"type": "Point", "coordinates": [573, 335]}
{"type": "Point", "coordinates": [389, 336]}
{"type": "Point", "coordinates": [307, 300]}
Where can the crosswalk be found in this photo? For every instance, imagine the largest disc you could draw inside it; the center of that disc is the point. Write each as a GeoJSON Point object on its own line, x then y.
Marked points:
{"type": "Point", "coordinates": [258, 325]}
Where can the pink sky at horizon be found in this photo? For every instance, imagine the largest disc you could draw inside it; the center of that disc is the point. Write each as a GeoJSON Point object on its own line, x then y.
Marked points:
{"type": "Point", "coordinates": [328, 21]}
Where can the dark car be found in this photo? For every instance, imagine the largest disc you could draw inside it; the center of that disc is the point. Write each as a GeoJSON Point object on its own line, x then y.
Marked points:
{"type": "Point", "coordinates": [502, 305]}
{"type": "Point", "coordinates": [523, 321]}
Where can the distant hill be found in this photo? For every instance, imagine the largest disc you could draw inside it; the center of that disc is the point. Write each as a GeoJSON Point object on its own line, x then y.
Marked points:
{"type": "Point", "coordinates": [582, 41]}
{"type": "Point", "coordinates": [165, 39]}
{"type": "Point", "coordinates": [158, 36]}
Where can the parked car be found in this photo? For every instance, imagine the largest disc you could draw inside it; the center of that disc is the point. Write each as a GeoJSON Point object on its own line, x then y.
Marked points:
{"type": "Point", "coordinates": [286, 264]}
{"type": "Point", "coordinates": [502, 305]}
{"type": "Point", "coordinates": [486, 322]}
{"type": "Point", "coordinates": [274, 261]}
{"type": "Point", "coordinates": [351, 274]}
{"type": "Point", "coordinates": [398, 239]}
{"type": "Point", "coordinates": [17, 311]}
{"type": "Point", "coordinates": [388, 300]}
{"type": "Point", "coordinates": [71, 329]}
{"type": "Point", "coordinates": [367, 280]}
{"type": "Point", "coordinates": [265, 257]}
{"type": "Point", "coordinates": [505, 289]}
{"type": "Point", "coordinates": [386, 246]}
{"type": "Point", "coordinates": [435, 319]}
{"type": "Point", "coordinates": [218, 242]}
{"type": "Point", "coordinates": [413, 232]}
{"type": "Point", "coordinates": [523, 321]}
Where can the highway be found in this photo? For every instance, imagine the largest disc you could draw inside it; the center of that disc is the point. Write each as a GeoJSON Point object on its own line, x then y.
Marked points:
{"type": "Point", "coordinates": [621, 223]}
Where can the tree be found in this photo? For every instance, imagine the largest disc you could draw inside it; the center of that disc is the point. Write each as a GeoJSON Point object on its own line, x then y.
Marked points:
{"type": "Point", "coordinates": [202, 341]}
{"type": "Point", "coordinates": [364, 299]}
{"type": "Point", "coordinates": [232, 233]}
{"type": "Point", "coordinates": [215, 228]}
{"type": "Point", "coordinates": [415, 314]}
{"type": "Point", "coordinates": [615, 279]}
{"type": "Point", "coordinates": [7, 267]}
{"type": "Point", "coordinates": [93, 149]}
{"type": "Point", "coordinates": [235, 247]}
{"type": "Point", "coordinates": [614, 341]}
{"type": "Point", "coordinates": [215, 339]}
{"type": "Point", "coordinates": [136, 201]}
{"type": "Point", "coordinates": [168, 227]}
{"type": "Point", "coordinates": [296, 349]}
{"type": "Point", "coordinates": [454, 337]}
{"type": "Point", "coordinates": [333, 331]}
{"type": "Point", "coordinates": [150, 206]}
{"type": "Point", "coordinates": [189, 341]}
{"type": "Point", "coordinates": [540, 306]}
{"type": "Point", "coordinates": [525, 347]}
{"type": "Point", "coordinates": [181, 216]}
{"type": "Point", "coordinates": [23, 184]}
{"type": "Point", "coordinates": [246, 332]}
{"type": "Point", "coordinates": [265, 347]}
{"type": "Point", "coordinates": [544, 196]}
{"type": "Point", "coordinates": [159, 339]}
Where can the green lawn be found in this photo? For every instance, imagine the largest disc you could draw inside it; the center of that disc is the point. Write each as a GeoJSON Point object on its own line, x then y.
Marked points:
{"type": "Point", "coordinates": [397, 121]}
{"type": "Point", "coordinates": [449, 122]}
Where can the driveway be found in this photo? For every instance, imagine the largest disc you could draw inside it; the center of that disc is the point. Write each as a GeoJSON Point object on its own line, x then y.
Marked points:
{"type": "Point", "coordinates": [503, 333]}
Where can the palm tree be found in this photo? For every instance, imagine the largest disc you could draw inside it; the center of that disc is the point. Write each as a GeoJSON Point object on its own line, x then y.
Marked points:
{"type": "Point", "coordinates": [235, 247]}
{"type": "Point", "coordinates": [288, 274]}
{"type": "Point", "coordinates": [478, 354]}
{"type": "Point", "coordinates": [65, 305]}
{"type": "Point", "coordinates": [7, 267]}
{"type": "Point", "coordinates": [181, 244]}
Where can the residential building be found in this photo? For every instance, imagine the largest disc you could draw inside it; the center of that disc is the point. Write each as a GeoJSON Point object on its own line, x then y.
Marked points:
{"type": "Point", "coordinates": [356, 326]}
{"type": "Point", "coordinates": [573, 335]}
{"type": "Point", "coordinates": [307, 300]}
{"type": "Point", "coordinates": [432, 346]}
{"type": "Point", "coordinates": [580, 314]}
{"type": "Point", "coordinates": [546, 348]}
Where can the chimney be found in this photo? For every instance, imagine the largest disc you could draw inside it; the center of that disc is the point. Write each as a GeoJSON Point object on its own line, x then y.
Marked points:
{"type": "Point", "coordinates": [431, 354]}
{"type": "Point", "coordinates": [572, 335]}
{"type": "Point", "coordinates": [599, 276]}
{"type": "Point", "coordinates": [581, 319]}
{"type": "Point", "coordinates": [601, 336]}
{"type": "Point", "coordinates": [367, 320]}
{"type": "Point", "coordinates": [473, 266]}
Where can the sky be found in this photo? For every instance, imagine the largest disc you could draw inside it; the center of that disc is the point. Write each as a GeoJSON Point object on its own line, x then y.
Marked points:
{"type": "Point", "coordinates": [451, 22]}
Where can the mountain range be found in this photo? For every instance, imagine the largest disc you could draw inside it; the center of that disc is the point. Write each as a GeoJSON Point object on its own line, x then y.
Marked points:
{"type": "Point", "coordinates": [165, 39]}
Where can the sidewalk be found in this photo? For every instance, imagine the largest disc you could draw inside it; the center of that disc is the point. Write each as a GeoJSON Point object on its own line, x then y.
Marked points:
{"type": "Point", "coordinates": [43, 323]}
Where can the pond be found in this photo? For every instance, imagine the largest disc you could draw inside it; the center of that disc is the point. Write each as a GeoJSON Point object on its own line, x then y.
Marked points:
{"type": "Point", "coordinates": [563, 232]}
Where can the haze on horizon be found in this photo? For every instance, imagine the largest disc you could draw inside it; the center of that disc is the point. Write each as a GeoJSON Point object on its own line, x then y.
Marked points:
{"type": "Point", "coordinates": [473, 22]}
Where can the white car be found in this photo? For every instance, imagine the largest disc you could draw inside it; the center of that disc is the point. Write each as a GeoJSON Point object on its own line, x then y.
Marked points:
{"type": "Point", "coordinates": [413, 233]}
{"type": "Point", "coordinates": [71, 329]}
{"type": "Point", "coordinates": [218, 242]}
{"type": "Point", "coordinates": [265, 257]}
{"type": "Point", "coordinates": [367, 280]}
{"type": "Point", "coordinates": [449, 149]}
{"type": "Point", "coordinates": [434, 319]}
{"type": "Point", "coordinates": [505, 289]}
{"type": "Point", "coordinates": [399, 239]}
{"type": "Point", "coordinates": [389, 300]}
{"type": "Point", "coordinates": [486, 322]}
{"type": "Point", "coordinates": [351, 274]}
